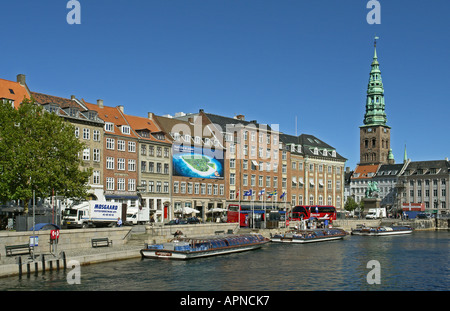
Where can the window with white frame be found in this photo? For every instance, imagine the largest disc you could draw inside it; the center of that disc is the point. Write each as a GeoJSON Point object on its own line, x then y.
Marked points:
{"type": "Point", "coordinates": [86, 134]}
{"type": "Point", "coordinates": [131, 146]}
{"type": "Point", "coordinates": [120, 145]}
{"type": "Point", "coordinates": [96, 177]}
{"type": "Point", "coordinates": [121, 184]}
{"type": "Point", "coordinates": [151, 186]}
{"type": "Point", "coordinates": [109, 163]}
{"type": "Point", "coordinates": [203, 189]}
{"type": "Point", "coordinates": [131, 184]}
{"type": "Point", "coordinates": [109, 127]}
{"type": "Point", "coordinates": [197, 188]}
{"type": "Point", "coordinates": [125, 129]}
{"type": "Point", "coordinates": [131, 165]}
{"type": "Point", "coordinates": [166, 187]}
{"type": "Point", "coordinates": [158, 187]}
{"type": "Point", "coordinates": [86, 154]}
{"type": "Point", "coordinates": [96, 135]}
{"type": "Point", "coordinates": [121, 164]}
{"type": "Point", "coordinates": [245, 180]}
{"type": "Point", "coordinates": [232, 178]}
{"type": "Point", "coordinates": [110, 143]}
{"type": "Point", "coordinates": [109, 183]}
{"type": "Point", "coordinates": [96, 155]}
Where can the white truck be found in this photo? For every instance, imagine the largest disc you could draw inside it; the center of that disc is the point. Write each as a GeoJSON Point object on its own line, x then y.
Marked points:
{"type": "Point", "coordinates": [93, 214]}
{"type": "Point", "coordinates": [137, 216]}
{"type": "Point", "coordinates": [375, 213]}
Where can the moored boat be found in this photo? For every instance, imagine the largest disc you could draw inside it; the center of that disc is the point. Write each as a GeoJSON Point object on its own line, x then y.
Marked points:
{"type": "Point", "coordinates": [309, 236]}
{"type": "Point", "coordinates": [383, 230]}
{"type": "Point", "coordinates": [189, 248]}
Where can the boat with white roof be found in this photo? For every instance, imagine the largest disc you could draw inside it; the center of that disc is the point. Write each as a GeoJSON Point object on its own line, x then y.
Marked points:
{"type": "Point", "coordinates": [189, 248]}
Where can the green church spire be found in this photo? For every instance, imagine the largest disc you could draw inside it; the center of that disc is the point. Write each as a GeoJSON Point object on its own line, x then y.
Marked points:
{"type": "Point", "coordinates": [375, 114]}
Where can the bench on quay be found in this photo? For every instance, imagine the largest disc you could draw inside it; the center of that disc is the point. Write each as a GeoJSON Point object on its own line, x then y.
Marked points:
{"type": "Point", "coordinates": [219, 232]}
{"type": "Point", "coordinates": [20, 249]}
{"type": "Point", "coordinates": [97, 242]}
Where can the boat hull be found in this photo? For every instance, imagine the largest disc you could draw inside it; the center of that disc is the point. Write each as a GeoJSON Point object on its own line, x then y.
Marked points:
{"type": "Point", "coordinates": [309, 236]}
{"type": "Point", "coordinates": [190, 248]}
{"type": "Point", "coordinates": [382, 231]}
{"type": "Point", "coordinates": [303, 241]}
{"type": "Point", "coordinates": [184, 255]}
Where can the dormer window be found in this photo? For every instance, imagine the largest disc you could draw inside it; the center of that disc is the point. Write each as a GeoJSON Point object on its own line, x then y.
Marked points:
{"type": "Point", "coordinates": [92, 115]}
{"type": "Point", "coordinates": [109, 127]}
{"type": "Point", "coordinates": [187, 137]}
{"type": "Point", "coordinates": [125, 129]}
{"type": "Point", "coordinates": [73, 112]}
{"type": "Point", "coordinates": [53, 108]}
{"type": "Point", "coordinates": [197, 140]}
{"type": "Point", "coordinates": [160, 136]}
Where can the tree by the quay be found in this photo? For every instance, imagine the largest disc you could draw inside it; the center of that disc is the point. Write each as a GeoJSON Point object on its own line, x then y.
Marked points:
{"type": "Point", "coordinates": [38, 152]}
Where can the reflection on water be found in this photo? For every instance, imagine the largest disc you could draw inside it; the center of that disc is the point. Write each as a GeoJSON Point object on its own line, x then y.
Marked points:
{"type": "Point", "coordinates": [412, 262]}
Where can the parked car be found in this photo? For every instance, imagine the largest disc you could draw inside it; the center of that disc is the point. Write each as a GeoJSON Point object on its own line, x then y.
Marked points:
{"type": "Point", "coordinates": [176, 222]}
{"type": "Point", "coordinates": [193, 220]}
{"type": "Point", "coordinates": [424, 216]}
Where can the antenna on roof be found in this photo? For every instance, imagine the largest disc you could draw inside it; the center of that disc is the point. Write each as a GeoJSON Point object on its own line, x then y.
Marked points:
{"type": "Point", "coordinates": [295, 125]}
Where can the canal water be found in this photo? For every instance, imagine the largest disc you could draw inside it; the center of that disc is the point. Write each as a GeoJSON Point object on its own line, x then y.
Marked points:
{"type": "Point", "coordinates": [416, 262]}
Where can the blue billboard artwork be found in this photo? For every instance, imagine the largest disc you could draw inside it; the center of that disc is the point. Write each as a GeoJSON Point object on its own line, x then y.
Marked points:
{"type": "Point", "coordinates": [197, 162]}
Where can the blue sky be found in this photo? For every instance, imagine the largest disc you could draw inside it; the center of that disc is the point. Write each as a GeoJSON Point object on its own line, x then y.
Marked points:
{"type": "Point", "coordinates": [270, 60]}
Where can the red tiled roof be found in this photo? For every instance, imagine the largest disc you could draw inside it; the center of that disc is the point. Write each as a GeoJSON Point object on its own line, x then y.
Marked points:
{"type": "Point", "coordinates": [50, 99]}
{"type": "Point", "coordinates": [140, 123]}
{"type": "Point", "coordinates": [365, 171]}
{"type": "Point", "coordinates": [13, 90]}
{"type": "Point", "coordinates": [111, 115]}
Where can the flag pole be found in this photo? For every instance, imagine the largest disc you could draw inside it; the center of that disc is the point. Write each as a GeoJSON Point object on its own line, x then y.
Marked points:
{"type": "Point", "coordinates": [253, 209]}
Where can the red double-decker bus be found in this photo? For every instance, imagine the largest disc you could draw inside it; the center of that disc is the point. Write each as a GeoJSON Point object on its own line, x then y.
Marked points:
{"type": "Point", "coordinates": [321, 212]}
{"type": "Point", "coordinates": [233, 215]}
{"type": "Point", "coordinates": [245, 214]}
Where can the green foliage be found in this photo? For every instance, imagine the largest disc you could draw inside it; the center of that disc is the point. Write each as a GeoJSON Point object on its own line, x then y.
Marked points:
{"type": "Point", "coordinates": [38, 151]}
{"type": "Point", "coordinates": [351, 204]}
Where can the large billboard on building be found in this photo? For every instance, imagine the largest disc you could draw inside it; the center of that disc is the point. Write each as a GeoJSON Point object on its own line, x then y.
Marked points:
{"type": "Point", "coordinates": [189, 161]}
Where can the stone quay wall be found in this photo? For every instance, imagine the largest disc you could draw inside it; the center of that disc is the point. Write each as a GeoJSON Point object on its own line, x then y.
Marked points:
{"type": "Point", "coordinates": [69, 239]}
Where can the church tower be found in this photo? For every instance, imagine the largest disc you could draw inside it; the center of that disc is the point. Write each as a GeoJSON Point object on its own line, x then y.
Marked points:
{"type": "Point", "coordinates": [375, 135]}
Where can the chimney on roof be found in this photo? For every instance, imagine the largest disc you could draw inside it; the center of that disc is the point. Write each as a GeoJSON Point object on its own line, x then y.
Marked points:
{"type": "Point", "coordinates": [200, 111]}
{"type": "Point", "coordinates": [100, 103]}
{"type": "Point", "coordinates": [72, 97]}
{"type": "Point", "coordinates": [150, 115]}
{"type": "Point", "coordinates": [120, 107]}
{"type": "Point", "coordinates": [21, 79]}
{"type": "Point", "coordinates": [240, 117]}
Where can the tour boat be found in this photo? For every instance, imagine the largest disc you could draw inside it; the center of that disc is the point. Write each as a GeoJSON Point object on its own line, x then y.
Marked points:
{"type": "Point", "coordinates": [188, 248]}
{"type": "Point", "coordinates": [309, 236]}
{"type": "Point", "coordinates": [379, 231]}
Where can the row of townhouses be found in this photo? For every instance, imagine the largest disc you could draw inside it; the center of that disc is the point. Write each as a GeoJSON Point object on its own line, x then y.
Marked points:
{"type": "Point", "coordinates": [193, 161]}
